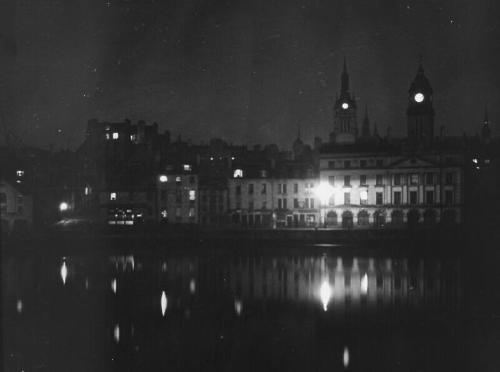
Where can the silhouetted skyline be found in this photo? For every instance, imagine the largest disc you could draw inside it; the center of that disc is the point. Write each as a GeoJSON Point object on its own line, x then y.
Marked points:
{"type": "Point", "coordinates": [245, 71]}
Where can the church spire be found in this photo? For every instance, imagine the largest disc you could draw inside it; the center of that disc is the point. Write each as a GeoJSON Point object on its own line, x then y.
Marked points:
{"type": "Point", "coordinates": [344, 87]}
{"type": "Point", "coordinates": [486, 130]}
{"type": "Point", "coordinates": [365, 129]}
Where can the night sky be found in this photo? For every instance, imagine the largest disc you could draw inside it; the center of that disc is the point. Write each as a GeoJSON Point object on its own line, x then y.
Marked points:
{"type": "Point", "coordinates": [246, 71]}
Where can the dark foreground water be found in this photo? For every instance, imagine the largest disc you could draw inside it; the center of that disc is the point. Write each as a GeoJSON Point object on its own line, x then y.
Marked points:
{"type": "Point", "coordinates": [219, 309]}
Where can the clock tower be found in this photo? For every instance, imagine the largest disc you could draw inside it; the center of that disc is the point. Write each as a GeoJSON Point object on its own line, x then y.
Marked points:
{"type": "Point", "coordinates": [345, 129]}
{"type": "Point", "coordinates": [420, 112]}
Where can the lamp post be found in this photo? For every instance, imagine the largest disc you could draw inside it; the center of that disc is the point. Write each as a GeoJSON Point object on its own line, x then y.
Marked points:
{"type": "Point", "coordinates": [324, 191]}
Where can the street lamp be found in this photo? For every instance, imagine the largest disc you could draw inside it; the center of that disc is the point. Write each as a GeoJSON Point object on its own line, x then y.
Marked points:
{"type": "Point", "coordinates": [63, 206]}
{"type": "Point", "coordinates": [324, 191]}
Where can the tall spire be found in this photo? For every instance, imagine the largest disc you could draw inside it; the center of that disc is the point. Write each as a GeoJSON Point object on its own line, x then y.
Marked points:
{"type": "Point", "coordinates": [486, 130]}
{"type": "Point", "coordinates": [365, 129]}
{"type": "Point", "coordinates": [344, 87]}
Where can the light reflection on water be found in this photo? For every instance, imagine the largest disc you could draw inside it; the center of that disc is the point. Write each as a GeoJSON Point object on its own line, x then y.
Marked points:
{"type": "Point", "coordinates": [305, 303]}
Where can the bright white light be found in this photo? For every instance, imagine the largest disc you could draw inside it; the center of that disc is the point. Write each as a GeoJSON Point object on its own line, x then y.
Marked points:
{"type": "Point", "coordinates": [187, 167]}
{"type": "Point", "coordinates": [163, 178]}
{"type": "Point", "coordinates": [238, 307]}
{"type": "Point", "coordinates": [64, 272]}
{"type": "Point", "coordinates": [324, 191]}
{"type": "Point", "coordinates": [345, 105]}
{"type": "Point", "coordinates": [20, 173]}
{"type": "Point", "coordinates": [177, 179]}
{"type": "Point", "coordinates": [192, 194]}
{"type": "Point", "coordinates": [325, 293]}
{"type": "Point", "coordinates": [232, 157]}
{"type": "Point", "coordinates": [345, 357]}
{"type": "Point", "coordinates": [87, 190]}
{"type": "Point", "coordinates": [192, 286]}
{"type": "Point", "coordinates": [363, 195]}
{"type": "Point", "coordinates": [164, 303]}
{"type": "Point", "coordinates": [113, 285]}
{"type": "Point", "coordinates": [238, 173]}
{"type": "Point", "coordinates": [63, 206]}
{"type": "Point", "coordinates": [19, 306]}
{"type": "Point", "coordinates": [116, 333]}
{"type": "Point", "coordinates": [112, 196]}
{"type": "Point", "coordinates": [115, 135]}
{"type": "Point", "coordinates": [474, 160]}
{"type": "Point", "coordinates": [419, 97]}
{"type": "Point", "coordinates": [364, 284]}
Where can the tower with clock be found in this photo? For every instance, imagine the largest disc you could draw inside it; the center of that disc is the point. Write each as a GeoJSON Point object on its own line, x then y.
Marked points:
{"type": "Point", "coordinates": [345, 129]}
{"type": "Point", "coordinates": [420, 112]}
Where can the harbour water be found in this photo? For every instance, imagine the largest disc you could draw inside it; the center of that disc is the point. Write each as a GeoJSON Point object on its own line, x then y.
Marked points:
{"type": "Point", "coordinates": [215, 307]}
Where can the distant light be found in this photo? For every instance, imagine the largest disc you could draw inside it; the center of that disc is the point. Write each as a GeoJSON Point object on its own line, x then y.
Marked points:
{"type": "Point", "coordinates": [163, 178]}
{"type": "Point", "coordinates": [115, 135]}
{"type": "Point", "coordinates": [238, 173]}
{"type": "Point", "coordinates": [63, 206]}
{"type": "Point", "coordinates": [363, 195]}
{"type": "Point", "coordinates": [192, 286]}
{"type": "Point", "coordinates": [474, 160]}
{"type": "Point", "coordinates": [87, 190]}
{"type": "Point", "coordinates": [112, 196]}
{"type": "Point", "coordinates": [19, 306]}
{"type": "Point", "coordinates": [87, 284]}
{"type": "Point", "coordinates": [64, 272]}
{"type": "Point", "coordinates": [187, 167]}
{"type": "Point", "coordinates": [419, 97]}
{"type": "Point", "coordinates": [20, 173]}
{"type": "Point", "coordinates": [232, 158]}
{"type": "Point", "coordinates": [345, 357]}
{"type": "Point", "coordinates": [324, 191]}
{"type": "Point", "coordinates": [177, 179]}
{"type": "Point", "coordinates": [113, 285]}
{"type": "Point", "coordinates": [164, 303]}
{"type": "Point", "coordinates": [192, 195]}
{"type": "Point", "coordinates": [345, 105]}
{"type": "Point", "coordinates": [364, 284]}
{"type": "Point", "coordinates": [116, 333]}
{"type": "Point", "coordinates": [238, 307]}
{"type": "Point", "coordinates": [164, 213]}
{"type": "Point", "coordinates": [211, 158]}
{"type": "Point", "coordinates": [325, 293]}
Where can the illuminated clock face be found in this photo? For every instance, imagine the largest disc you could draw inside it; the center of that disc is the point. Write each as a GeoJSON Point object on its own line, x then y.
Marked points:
{"type": "Point", "coordinates": [419, 97]}
{"type": "Point", "coordinates": [345, 105]}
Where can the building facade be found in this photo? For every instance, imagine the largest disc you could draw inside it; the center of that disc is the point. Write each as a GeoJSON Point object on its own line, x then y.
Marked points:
{"type": "Point", "coordinates": [16, 209]}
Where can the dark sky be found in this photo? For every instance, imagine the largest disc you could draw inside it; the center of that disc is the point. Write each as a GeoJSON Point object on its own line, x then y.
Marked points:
{"type": "Point", "coordinates": [245, 70]}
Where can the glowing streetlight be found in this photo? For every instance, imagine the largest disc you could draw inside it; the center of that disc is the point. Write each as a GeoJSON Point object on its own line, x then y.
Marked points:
{"type": "Point", "coordinates": [324, 191]}
{"type": "Point", "coordinates": [163, 178]}
{"type": "Point", "coordinates": [325, 293]}
{"type": "Point", "coordinates": [63, 206]}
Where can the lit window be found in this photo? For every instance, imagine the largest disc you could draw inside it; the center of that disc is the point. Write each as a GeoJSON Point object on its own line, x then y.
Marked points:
{"type": "Point", "coordinates": [112, 196]}
{"type": "Point", "coordinates": [164, 213]}
{"type": "Point", "coordinates": [20, 173]}
{"type": "Point", "coordinates": [363, 195]}
{"type": "Point", "coordinates": [108, 136]}
{"type": "Point", "coordinates": [162, 178]}
{"type": "Point", "coordinates": [133, 137]}
{"type": "Point", "coordinates": [238, 173]}
{"type": "Point", "coordinates": [115, 135]}
{"type": "Point", "coordinates": [87, 190]}
{"type": "Point", "coordinates": [191, 212]}
{"type": "Point", "coordinates": [474, 160]}
{"type": "Point", "coordinates": [177, 179]}
{"type": "Point", "coordinates": [192, 194]}
{"type": "Point", "coordinates": [187, 167]}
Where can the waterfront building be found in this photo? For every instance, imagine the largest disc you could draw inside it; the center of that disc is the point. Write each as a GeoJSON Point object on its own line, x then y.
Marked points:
{"type": "Point", "coordinates": [16, 208]}
{"type": "Point", "coordinates": [378, 182]}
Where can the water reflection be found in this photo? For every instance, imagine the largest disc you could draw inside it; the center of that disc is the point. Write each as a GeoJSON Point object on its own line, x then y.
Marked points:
{"type": "Point", "coordinates": [64, 272]}
{"type": "Point", "coordinates": [163, 303]}
{"type": "Point", "coordinates": [306, 308]}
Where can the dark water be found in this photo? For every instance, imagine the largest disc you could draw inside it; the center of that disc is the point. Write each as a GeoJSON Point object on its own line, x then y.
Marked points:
{"type": "Point", "coordinates": [316, 309]}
